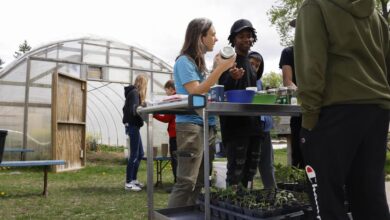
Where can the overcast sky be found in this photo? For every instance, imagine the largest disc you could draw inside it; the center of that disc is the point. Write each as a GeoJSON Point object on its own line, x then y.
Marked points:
{"type": "Point", "coordinates": [157, 26]}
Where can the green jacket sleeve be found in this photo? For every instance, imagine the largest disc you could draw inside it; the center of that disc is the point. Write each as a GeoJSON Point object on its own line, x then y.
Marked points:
{"type": "Point", "coordinates": [310, 54]}
{"type": "Point", "coordinates": [388, 65]}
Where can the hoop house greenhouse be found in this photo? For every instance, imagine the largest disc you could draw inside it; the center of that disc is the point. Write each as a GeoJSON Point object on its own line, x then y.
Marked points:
{"type": "Point", "coordinates": [55, 97]}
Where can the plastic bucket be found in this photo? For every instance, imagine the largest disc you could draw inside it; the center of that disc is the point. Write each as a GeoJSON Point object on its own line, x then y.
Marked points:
{"type": "Point", "coordinates": [3, 135]}
{"type": "Point", "coordinates": [239, 96]}
{"type": "Point", "coordinates": [220, 169]}
{"type": "Point", "coordinates": [264, 99]}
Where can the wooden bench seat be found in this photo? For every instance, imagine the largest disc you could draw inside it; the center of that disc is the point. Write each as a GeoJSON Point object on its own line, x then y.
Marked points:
{"type": "Point", "coordinates": [18, 150]}
{"type": "Point", "coordinates": [32, 163]}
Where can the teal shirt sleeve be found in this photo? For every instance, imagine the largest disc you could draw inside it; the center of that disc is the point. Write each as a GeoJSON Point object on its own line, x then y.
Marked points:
{"type": "Point", "coordinates": [184, 72]}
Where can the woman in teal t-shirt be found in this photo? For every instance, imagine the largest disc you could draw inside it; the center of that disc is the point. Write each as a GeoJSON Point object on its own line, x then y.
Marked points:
{"type": "Point", "coordinates": [189, 74]}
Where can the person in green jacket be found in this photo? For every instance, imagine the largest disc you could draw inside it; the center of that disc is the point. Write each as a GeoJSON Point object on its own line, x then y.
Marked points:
{"type": "Point", "coordinates": [342, 65]}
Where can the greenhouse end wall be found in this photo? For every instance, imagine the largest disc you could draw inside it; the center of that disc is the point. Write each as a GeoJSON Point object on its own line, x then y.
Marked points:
{"type": "Point", "coordinates": [26, 85]}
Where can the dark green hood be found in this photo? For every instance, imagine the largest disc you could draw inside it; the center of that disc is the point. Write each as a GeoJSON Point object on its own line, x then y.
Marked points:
{"type": "Point", "coordinates": [357, 8]}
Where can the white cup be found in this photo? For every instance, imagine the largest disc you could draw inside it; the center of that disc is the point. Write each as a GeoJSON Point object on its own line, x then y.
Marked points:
{"type": "Point", "coordinates": [252, 88]}
{"type": "Point", "coordinates": [227, 52]}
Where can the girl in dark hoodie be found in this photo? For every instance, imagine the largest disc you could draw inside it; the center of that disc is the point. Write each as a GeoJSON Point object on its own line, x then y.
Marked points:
{"type": "Point", "coordinates": [135, 96]}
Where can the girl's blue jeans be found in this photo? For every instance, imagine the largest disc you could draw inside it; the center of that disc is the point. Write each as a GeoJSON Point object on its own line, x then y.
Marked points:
{"type": "Point", "coordinates": [136, 152]}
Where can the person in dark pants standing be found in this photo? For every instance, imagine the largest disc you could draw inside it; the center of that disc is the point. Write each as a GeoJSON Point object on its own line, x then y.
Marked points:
{"type": "Point", "coordinates": [135, 96]}
{"type": "Point", "coordinates": [266, 163]}
{"type": "Point", "coordinates": [241, 135]}
{"type": "Point", "coordinates": [286, 63]}
{"type": "Point", "coordinates": [170, 119]}
{"type": "Point", "coordinates": [342, 63]}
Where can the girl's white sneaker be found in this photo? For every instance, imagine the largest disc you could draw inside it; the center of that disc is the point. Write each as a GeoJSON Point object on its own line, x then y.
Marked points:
{"type": "Point", "coordinates": [132, 187]}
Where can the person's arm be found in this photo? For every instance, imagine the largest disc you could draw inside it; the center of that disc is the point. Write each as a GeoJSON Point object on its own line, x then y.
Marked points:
{"type": "Point", "coordinates": [133, 100]}
{"type": "Point", "coordinates": [388, 67]}
{"type": "Point", "coordinates": [163, 118]}
{"type": "Point", "coordinates": [287, 72]}
{"type": "Point", "coordinates": [388, 64]}
{"type": "Point", "coordinates": [286, 64]}
{"type": "Point", "coordinates": [260, 71]}
{"type": "Point", "coordinates": [229, 78]}
{"type": "Point", "coordinates": [388, 58]}
{"type": "Point", "coordinates": [259, 85]}
{"type": "Point", "coordinates": [310, 61]}
{"type": "Point", "coordinates": [194, 87]}
{"type": "Point", "coordinates": [227, 81]}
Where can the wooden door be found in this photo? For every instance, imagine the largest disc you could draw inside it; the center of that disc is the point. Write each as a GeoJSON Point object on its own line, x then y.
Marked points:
{"type": "Point", "coordinates": [69, 97]}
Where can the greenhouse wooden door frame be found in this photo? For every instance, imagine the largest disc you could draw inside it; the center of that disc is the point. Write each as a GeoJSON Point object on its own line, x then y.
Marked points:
{"type": "Point", "coordinates": [69, 104]}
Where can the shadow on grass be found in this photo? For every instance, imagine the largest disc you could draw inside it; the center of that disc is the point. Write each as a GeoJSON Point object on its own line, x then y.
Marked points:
{"type": "Point", "coordinates": [24, 195]}
{"type": "Point", "coordinates": [97, 190]}
{"type": "Point", "coordinates": [113, 189]}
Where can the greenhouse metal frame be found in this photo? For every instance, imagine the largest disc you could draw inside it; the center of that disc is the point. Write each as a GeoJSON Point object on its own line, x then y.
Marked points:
{"type": "Point", "coordinates": [106, 65]}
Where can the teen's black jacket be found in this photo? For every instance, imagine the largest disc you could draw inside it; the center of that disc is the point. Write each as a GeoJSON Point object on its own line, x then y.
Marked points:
{"type": "Point", "coordinates": [130, 115]}
{"type": "Point", "coordinates": [240, 126]}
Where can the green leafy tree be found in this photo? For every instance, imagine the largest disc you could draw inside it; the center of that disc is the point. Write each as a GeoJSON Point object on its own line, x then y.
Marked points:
{"type": "Point", "coordinates": [381, 6]}
{"type": "Point", "coordinates": [272, 80]}
{"type": "Point", "coordinates": [284, 11]}
{"type": "Point", "coordinates": [23, 48]}
{"type": "Point", "coordinates": [280, 15]}
{"type": "Point", "coordinates": [1, 63]}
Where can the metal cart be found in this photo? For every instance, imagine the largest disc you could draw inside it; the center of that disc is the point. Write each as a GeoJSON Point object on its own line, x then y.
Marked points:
{"type": "Point", "coordinates": [197, 104]}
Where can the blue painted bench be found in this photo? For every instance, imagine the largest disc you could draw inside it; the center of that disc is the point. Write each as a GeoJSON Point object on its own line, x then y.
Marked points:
{"type": "Point", "coordinates": [18, 150]}
{"type": "Point", "coordinates": [32, 163]}
{"type": "Point", "coordinates": [161, 163]}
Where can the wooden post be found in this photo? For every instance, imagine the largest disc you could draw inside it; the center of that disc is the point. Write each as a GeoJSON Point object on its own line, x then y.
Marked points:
{"type": "Point", "coordinates": [45, 170]}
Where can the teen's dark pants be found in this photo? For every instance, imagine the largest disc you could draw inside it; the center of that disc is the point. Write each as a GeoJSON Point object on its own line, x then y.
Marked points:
{"type": "Point", "coordinates": [347, 148]}
{"type": "Point", "coordinates": [243, 155]}
{"type": "Point", "coordinates": [266, 163]}
{"type": "Point", "coordinates": [172, 152]}
{"type": "Point", "coordinates": [296, 154]}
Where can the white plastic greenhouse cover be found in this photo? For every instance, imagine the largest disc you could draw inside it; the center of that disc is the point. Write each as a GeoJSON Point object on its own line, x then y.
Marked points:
{"type": "Point", "coordinates": [107, 66]}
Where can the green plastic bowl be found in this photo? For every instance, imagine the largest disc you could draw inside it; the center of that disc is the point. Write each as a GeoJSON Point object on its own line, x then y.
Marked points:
{"type": "Point", "coordinates": [264, 99]}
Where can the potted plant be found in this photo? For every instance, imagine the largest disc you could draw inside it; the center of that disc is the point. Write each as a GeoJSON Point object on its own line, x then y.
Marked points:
{"type": "Point", "coordinates": [290, 178]}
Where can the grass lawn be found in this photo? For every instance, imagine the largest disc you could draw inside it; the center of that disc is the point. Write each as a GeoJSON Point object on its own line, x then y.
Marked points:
{"type": "Point", "coordinates": [95, 192]}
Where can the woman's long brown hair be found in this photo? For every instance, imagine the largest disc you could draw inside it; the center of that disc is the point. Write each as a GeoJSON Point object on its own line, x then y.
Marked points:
{"type": "Point", "coordinates": [193, 46]}
{"type": "Point", "coordinates": [141, 83]}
